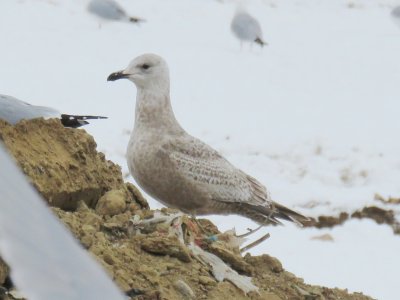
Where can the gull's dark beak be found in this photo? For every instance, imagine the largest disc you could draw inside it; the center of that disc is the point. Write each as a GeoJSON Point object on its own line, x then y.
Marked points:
{"type": "Point", "coordinates": [117, 75]}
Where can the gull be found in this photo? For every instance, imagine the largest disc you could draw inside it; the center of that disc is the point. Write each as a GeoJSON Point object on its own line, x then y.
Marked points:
{"type": "Point", "coordinates": [179, 170]}
{"type": "Point", "coordinates": [13, 110]}
{"type": "Point", "coordinates": [46, 261]}
{"type": "Point", "coordinates": [246, 28]}
{"type": "Point", "coordinates": [110, 10]}
{"type": "Point", "coordinates": [396, 14]}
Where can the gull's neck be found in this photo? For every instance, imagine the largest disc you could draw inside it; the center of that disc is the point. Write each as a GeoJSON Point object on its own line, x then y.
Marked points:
{"type": "Point", "coordinates": [154, 110]}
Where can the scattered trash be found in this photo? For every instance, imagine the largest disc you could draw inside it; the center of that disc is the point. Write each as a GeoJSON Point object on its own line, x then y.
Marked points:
{"type": "Point", "coordinates": [222, 271]}
{"type": "Point", "coordinates": [176, 238]}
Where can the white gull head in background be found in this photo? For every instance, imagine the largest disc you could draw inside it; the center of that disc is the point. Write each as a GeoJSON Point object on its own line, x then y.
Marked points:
{"type": "Point", "coordinates": [13, 110]}
{"type": "Point", "coordinates": [110, 10]}
{"type": "Point", "coordinates": [178, 169]}
{"type": "Point", "coordinates": [246, 28]}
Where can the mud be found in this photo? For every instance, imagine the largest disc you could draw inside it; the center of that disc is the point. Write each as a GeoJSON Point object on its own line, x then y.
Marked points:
{"type": "Point", "coordinates": [72, 176]}
{"type": "Point", "coordinates": [379, 215]}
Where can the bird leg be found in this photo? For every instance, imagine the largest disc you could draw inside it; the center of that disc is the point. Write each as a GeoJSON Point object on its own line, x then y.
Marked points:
{"type": "Point", "coordinates": [202, 229]}
{"type": "Point", "coordinates": [255, 243]}
{"type": "Point", "coordinates": [250, 231]}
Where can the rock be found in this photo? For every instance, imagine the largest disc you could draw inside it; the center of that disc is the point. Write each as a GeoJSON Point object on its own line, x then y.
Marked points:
{"type": "Point", "coordinates": [264, 262]}
{"type": "Point", "coordinates": [234, 260]}
{"type": "Point", "coordinates": [184, 289]}
{"type": "Point", "coordinates": [108, 259]}
{"type": "Point", "coordinates": [205, 280]}
{"type": "Point", "coordinates": [165, 245]}
{"type": "Point", "coordinates": [86, 241]}
{"type": "Point", "coordinates": [111, 203]}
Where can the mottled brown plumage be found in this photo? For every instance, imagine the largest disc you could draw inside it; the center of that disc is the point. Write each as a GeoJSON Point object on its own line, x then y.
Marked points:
{"type": "Point", "coordinates": [181, 171]}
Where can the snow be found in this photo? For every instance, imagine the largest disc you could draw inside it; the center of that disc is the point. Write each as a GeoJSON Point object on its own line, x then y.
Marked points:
{"type": "Point", "coordinates": [314, 115]}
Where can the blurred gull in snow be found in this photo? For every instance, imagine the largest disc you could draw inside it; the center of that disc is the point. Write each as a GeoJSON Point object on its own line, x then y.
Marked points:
{"type": "Point", "coordinates": [396, 14]}
{"type": "Point", "coordinates": [246, 28]}
{"type": "Point", "coordinates": [46, 261]}
{"type": "Point", "coordinates": [111, 10]}
{"type": "Point", "coordinates": [13, 110]}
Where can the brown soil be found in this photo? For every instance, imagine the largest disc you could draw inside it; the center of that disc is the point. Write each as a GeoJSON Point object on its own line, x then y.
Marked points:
{"type": "Point", "coordinates": [379, 215]}
{"type": "Point", "coordinates": [72, 176]}
{"type": "Point", "coordinates": [63, 163]}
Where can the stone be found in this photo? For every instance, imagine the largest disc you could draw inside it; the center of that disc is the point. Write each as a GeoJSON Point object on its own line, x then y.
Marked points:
{"type": "Point", "coordinates": [111, 203]}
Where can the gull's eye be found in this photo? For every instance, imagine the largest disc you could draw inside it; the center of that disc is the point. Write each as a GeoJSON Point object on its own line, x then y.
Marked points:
{"type": "Point", "coordinates": [145, 66]}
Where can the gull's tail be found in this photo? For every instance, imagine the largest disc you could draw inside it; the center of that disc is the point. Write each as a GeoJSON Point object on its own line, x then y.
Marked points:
{"type": "Point", "coordinates": [136, 20]}
{"type": "Point", "coordinates": [74, 121]}
{"type": "Point", "coordinates": [271, 213]}
{"type": "Point", "coordinates": [282, 212]}
{"type": "Point", "coordinates": [260, 42]}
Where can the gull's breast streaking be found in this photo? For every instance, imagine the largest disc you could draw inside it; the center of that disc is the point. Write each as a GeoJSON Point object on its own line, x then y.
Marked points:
{"type": "Point", "coordinates": [13, 110]}
{"type": "Point", "coordinates": [179, 170]}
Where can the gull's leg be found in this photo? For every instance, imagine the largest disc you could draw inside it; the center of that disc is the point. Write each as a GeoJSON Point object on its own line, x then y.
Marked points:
{"type": "Point", "coordinates": [255, 243]}
{"type": "Point", "coordinates": [250, 231]}
{"type": "Point", "coordinates": [193, 215]}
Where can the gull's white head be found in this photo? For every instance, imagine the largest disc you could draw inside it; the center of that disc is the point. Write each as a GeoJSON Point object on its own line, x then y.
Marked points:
{"type": "Point", "coordinates": [146, 71]}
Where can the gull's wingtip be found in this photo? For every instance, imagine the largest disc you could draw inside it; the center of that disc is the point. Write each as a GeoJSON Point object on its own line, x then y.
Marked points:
{"type": "Point", "coordinates": [285, 213]}
{"type": "Point", "coordinates": [75, 121]}
{"type": "Point", "coordinates": [137, 20]}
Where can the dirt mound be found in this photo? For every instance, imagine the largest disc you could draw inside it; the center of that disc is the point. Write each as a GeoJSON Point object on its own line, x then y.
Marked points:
{"type": "Point", "coordinates": [88, 194]}
{"type": "Point", "coordinates": [63, 163]}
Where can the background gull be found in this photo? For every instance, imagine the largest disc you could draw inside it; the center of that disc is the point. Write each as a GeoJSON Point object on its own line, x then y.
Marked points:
{"type": "Point", "coordinates": [246, 28]}
{"type": "Point", "coordinates": [396, 14]}
{"type": "Point", "coordinates": [13, 110]}
{"type": "Point", "coordinates": [179, 170]}
{"type": "Point", "coordinates": [46, 262]}
{"type": "Point", "coordinates": [110, 10]}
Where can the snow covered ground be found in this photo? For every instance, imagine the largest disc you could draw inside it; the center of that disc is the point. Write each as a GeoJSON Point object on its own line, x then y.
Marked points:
{"type": "Point", "coordinates": [314, 116]}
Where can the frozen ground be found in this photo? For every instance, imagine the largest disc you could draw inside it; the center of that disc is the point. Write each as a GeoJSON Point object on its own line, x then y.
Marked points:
{"type": "Point", "coordinates": [315, 115]}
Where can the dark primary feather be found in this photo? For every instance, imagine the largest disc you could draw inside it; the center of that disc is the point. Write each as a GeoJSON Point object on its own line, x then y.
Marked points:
{"type": "Point", "coordinates": [136, 20]}
{"type": "Point", "coordinates": [75, 121]}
